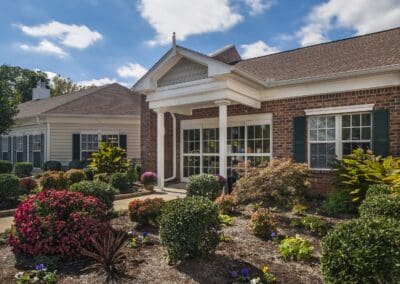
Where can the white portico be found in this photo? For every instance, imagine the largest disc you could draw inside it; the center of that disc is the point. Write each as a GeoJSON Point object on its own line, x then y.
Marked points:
{"type": "Point", "coordinates": [184, 80]}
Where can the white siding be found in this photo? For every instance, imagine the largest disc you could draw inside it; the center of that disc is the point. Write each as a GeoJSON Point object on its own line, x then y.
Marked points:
{"type": "Point", "coordinates": [61, 137]}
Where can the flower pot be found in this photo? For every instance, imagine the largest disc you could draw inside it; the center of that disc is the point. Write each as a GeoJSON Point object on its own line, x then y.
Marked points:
{"type": "Point", "coordinates": [149, 187]}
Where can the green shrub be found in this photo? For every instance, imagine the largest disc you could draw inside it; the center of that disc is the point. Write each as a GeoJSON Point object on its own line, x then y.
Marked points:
{"type": "Point", "coordinates": [5, 167]}
{"type": "Point", "coordinates": [263, 223]}
{"type": "Point", "coordinates": [103, 177]}
{"type": "Point", "coordinates": [145, 212]}
{"type": "Point", "coordinates": [280, 183]}
{"type": "Point", "coordinates": [54, 180]}
{"type": "Point", "coordinates": [9, 186]}
{"type": "Point", "coordinates": [76, 164]}
{"type": "Point", "coordinates": [109, 159]}
{"type": "Point", "coordinates": [90, 173]}
{"type": "Point", "coordinates": [313, 224]}
{"type": "Point", "coordinates": [205, 185]}
{"type": "Point", "coordinates": [381, 205]}
{"type": "Point", "coordinates": [362, 251]}
{"type": "Point", "coordinates": [134, 173]}
{"type": "Point", "coordinates": [299, 209]}
{"type": "Point", "coordinates": [74, 176]}
{"type": "Point", "coordinates": [120, 181]}
{"type": "Point", "coordinates": [225, 219]}
{"type": "Point", "coordinates": [52, 166]}
{"type": "Point", "coordinates": [189, 228]}
{"type": "Point", "coordinates": [226, 204]}
{"type": "Point", "coordinates": [101, 190]}
{"type": "Point", "coordinates": [378, 189]}
{"type": "Point", "coordinates": [338, 202]}
{"type": "Point", "coordinates": [23, 169]}
{"type": "Point", "coordinates": [296, 248]}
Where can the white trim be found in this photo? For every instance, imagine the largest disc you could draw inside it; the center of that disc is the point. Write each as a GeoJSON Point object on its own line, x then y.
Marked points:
{"type": "Point", "coordinates": [338, 110]}
{"type": "Point", "coordinates": [48, 142]}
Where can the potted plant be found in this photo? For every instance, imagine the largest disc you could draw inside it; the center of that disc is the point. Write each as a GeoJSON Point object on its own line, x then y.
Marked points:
{"type": "Point", "coordinates": [148, 179]}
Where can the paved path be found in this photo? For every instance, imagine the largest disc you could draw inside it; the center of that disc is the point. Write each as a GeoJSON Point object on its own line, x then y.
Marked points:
{"type": "Point", "coordinates": [6, 222]}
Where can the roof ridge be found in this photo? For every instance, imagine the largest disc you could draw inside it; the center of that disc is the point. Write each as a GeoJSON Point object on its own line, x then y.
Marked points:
{"type": "Point", "coordinates": [322, 43]}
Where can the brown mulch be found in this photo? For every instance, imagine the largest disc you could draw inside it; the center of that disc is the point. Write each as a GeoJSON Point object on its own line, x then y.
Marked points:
{"type": "Point", "coordinates": [148, 265]}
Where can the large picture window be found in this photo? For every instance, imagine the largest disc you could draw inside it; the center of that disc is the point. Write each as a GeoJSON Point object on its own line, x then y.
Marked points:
{"type": "Point", "coordinates": [89, 145]}
{"type": "Point", "coordinates": [191, 152]}
{"type": "Point", "coordinates": [332, 136]}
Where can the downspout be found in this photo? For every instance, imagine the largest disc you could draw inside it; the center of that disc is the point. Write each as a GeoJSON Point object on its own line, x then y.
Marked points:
{"type": "Point", "coordinates": [173, 149]}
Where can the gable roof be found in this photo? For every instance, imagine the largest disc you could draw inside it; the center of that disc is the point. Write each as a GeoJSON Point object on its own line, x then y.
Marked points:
{"type": "Point", "coordinates": [227, 54]}
{"type": "Point", "coordinates": [369, 51]}
{"type": "Point", "coordinates": [111, 99]}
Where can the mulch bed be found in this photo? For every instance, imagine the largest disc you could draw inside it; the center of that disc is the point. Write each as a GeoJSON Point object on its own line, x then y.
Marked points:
{"type": "Point", "coordinates": [148, 265]}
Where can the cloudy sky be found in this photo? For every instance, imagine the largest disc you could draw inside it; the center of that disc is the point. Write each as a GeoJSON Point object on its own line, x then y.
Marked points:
{"type": "Point", "coordinates": [102, 41]}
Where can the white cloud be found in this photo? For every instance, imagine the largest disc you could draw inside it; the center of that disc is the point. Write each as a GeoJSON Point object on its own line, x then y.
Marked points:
{"type": "Point", "coordinates": [100, 82]}
{"type": "Point", "coordinates": [259, 6]}
{"type": "Point", "coordinates": [45, 47]}
{"type": "Point", "coordinates": [131, 70]}
{"type": "Point", "coordinates": [50, 75]}
{"type": "Point", "coordinates": [69, 35]}
{"type": "Point", "coordinates": [187, 17]}
{"type": "Point", "coordinates": [257, 48]}
{"type": "Point", "coordinates": [362, 16]}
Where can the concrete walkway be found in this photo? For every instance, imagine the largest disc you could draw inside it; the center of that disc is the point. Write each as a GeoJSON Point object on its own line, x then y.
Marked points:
{"type": "Point", "coordinates": [6, 222]}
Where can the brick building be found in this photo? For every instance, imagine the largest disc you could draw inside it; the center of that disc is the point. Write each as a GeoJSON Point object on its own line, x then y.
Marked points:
{"type": "Point", "coordinates": [204, 113]}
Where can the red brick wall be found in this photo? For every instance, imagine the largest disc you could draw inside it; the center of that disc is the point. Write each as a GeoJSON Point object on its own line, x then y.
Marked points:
{"type": "Point", "coordinates": [283, 112]}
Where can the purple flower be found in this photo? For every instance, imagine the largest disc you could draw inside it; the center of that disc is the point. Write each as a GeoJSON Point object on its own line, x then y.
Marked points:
{"type": "Point", "coordinates": [233, 274]}
{"type": "Point", "coordinates": [148, 178]}
{"type": "Point", "coordinates": [221, 180]}
{"type": "Point", "coordinates": [40, 267]}
{"type": "Point", "coordinates": [273, 234]}
{"type": "Point", "coordinates": [145, 234]}
{"type": "Point", "coordinates": [244, 272]}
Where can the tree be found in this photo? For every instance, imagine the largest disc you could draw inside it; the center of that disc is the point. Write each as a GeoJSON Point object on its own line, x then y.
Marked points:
{"type": "Point", "coordinates": [64, 86]}
{"type": "Point", "coordinates": [8, 107]}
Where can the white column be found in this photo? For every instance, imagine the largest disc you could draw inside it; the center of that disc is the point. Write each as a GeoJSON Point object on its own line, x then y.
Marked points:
{"type": "Point", "coordinates": [223, 117]}
{"type": "Point", "coordinates": [160, 148]}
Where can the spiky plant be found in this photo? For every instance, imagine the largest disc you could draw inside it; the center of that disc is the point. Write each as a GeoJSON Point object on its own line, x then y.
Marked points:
{"type": "Point", "coordinates": [108, 256]}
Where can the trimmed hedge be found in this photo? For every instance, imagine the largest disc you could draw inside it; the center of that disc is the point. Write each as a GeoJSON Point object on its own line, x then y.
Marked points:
{"type": "Point", "coordinates": [205, 185]}
{"type": "Point", "coordinates": [76, 164]}
{"type": "Point", "coordinates": [120, 181]}
{"type": "Point", "coordinates": [189, 228]}
{"type": "Point", "coordinates": [54, 180]}
{"type": "Point", "coordinates": [377, 189]}
{"type": "Point", "coordinates": [103, 191]}
{"type": "Point", "coordinates": [52, 166]}
{"type": "Point", "coordinates": [362, 251]}
{"type": "Point", "coordinates": [23, 169]}
{"type": "Point", "coordinates": [380, 205]}
{"type": "Point", "coordinates": [6, 167]}
{"type": "Point", "coordinates": [74, 176]}
{"type": "Point", "coordinates": [9, 186]}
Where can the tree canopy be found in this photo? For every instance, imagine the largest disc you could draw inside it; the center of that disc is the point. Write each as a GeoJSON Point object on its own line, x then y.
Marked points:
{"type": "Point", "coordinates": [8, 107]}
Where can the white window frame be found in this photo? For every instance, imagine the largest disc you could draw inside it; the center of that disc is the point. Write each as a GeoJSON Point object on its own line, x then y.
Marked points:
{"type": "Point", "coordinates": [99, 139]}
{"type": "Point", "coordinates": [338, 135]}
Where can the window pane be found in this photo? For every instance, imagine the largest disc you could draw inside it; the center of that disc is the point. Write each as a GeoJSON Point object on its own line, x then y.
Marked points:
{"type": "Point", "coordinates": [366, 133]}
{"type": "Point", "coordinates": [322, 122]}
{"type": "Point", "coordinates": [330, 134]}
{"type": "Point", "coordinates": [313, 135]}
{"type": "Point", "coordinates": [346, 120]}
{"type": "Point", "coordinates": [355, 120]}
{"type": "Point", "coordinates": [321, 135]}
{"type": "Point", "coordinates": [250, 132]}
{"type": "Point", "coordinates": [355, 134]}
{"type": "Point", "coordinates": [313, 122]}
{"type": "Point", "coordinates": [331, 122]}
{"type": "Point", "coordinates": [366, 119]}
{"type": "Point", "coordinates": [265, 131]}
{"type": "Point", "coordinates": [346, 133]}
{"type": "Point", "coordinates": [258, 131]}
{"type": "Point", "coordinates": [322, 155]}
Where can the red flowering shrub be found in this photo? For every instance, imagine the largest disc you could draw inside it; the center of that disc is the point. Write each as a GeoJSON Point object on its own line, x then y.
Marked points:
{"type": "Point", "coordinates": [57, 223]}
{"type": "Point", "coordinates": [27, 184]}
{"type": "Point", "coordinates": [145, 211]}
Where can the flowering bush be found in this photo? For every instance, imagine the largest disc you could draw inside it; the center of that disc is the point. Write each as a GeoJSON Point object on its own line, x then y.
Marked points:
{"type": "Point", "coordinates": [281, 183]}
{"type": "Point", "coordinates": [225, 203]}
{"type": "Point", "coordinates": [205, 185]}
{"type": "Point", "coordinates": [57, 223]}
{"type": "Point", "coordinates": [27, 184]}
{"type": "Point", "coordinates": [148, 178]}
{"type": "Point", "coordinates": [263, 223]}
{"type": "Point", "coordinates": [145, 211]}
{"type": "Point", "coordinates": [74, 176]}
{"type": "Point", "coordinates": [53, 180]}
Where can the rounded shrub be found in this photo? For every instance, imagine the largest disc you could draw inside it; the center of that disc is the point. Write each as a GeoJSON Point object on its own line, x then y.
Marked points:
{"type": "Point", "coordinates": [104, 177]}
{"type": "Point", "coordinates": [57, 223]}
{"type": "Point", "coordinates": [362, 251]}
{"type": "Point", "coordinates": [205, 185]}
{"type": "Point", "coordinates": [53, 180]}
{"type": "Point", "coordinates": [189, 228]}
{"type": "Point", "coordinates": [75, 164]}
{"type": "Point", "coordinates": [263, 223]}
{"type": "Point", "coordinates": [145, 212]}
{"type": "Point", "coordinates": [5, 167]}
{"type": "Point", "coordinates": [52, 166]}
{"type": "Point", "coordinates": [27, 184]}
{"type": "Point", "coordinates": [380, 205]}
{"type": "Point", "coordinates": [23, 169]}
{"type": "Point", "coordinates": [9, 186]}
{"type": "Point", "coordinates": [74, 176]}
{"type": "Point", "coordinates": [377, 189]}
{"type": "Point", "coordinates": [226, 204]}
{"type": "Point", "coordinates": [103, 191]}
{"type": "Point", "coordinates": [120, 181]}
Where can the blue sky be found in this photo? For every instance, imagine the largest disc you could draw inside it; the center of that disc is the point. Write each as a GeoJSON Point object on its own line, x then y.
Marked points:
{"type": "Point", "coordinates": [100, 41]}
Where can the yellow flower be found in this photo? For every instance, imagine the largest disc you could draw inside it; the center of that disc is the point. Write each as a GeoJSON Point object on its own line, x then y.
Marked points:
{"type": "Point", "coordinates": [265, 269]}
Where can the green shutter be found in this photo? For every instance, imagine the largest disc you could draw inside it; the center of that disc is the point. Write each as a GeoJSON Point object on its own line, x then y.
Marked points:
{"type": "Point", "coordinates": [123, 141]}
{"type": "Point", "coordinates": [380, 132]}
{"type": "Point", "coordinates": [76, 147]}
{"type": "Point", "coordinates": [299, 139]}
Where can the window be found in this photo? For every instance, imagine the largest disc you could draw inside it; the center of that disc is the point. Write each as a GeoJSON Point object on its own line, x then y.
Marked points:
{"type": "Point", "coordinates": [37, 150]}
{"type": "Point", "coordinates": [258, 144]}
{"type": "Point", "coordinates": [19, 148]}
{"type": "Point", "coordinates": [211, 150]}
{"type": "Point", "coordinates": [89, 145]}
{"type": "Point", "coordinates": [110, 139]}
{"type": "Point", "coordinates": [191, 152]}
{"type": "Point", "coordinates": [4, 148]}
{"type": "Point", "coordinates": [333, 136]}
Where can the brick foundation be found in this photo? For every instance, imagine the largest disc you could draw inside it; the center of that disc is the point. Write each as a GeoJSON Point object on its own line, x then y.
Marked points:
{"type": "Point", "coordinates": [283, 112]}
